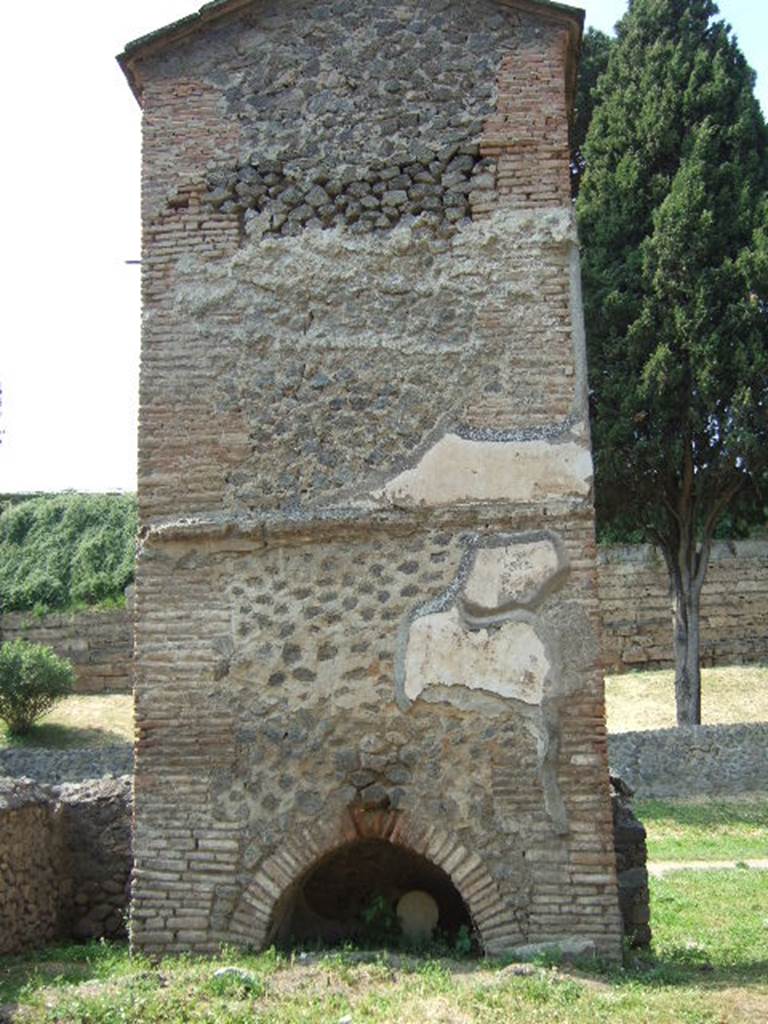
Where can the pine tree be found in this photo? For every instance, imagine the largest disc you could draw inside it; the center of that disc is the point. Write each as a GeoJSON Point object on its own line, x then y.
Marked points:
{"type": "Point", "coordinates": [674, 227]}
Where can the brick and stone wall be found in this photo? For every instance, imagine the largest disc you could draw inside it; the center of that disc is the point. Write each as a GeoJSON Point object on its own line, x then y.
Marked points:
{"type": "Point", "coordinates": [65, 861]}
{"type": "Point", "coordinates": [366, 607]}
{"type": "Point", "coordinates": [634, 613]}
{"type": "Point", "coordinates": [99, 644]}
{"type": "Point", "coordinates": [65, 856]}
{"type": "Point", "coordinates": [635, 606]}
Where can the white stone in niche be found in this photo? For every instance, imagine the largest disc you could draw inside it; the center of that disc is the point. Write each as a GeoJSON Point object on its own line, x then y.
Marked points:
{"type": "Point", "coordinates": [418, 914]}
{"type": "Point", "coordinates": [509, 660]}
{"type": "Point", "coordinates": [510, 575]}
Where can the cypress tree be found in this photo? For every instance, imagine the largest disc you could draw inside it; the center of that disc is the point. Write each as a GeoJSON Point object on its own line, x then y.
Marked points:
{"type": "Point", "coordinates": [674, 227]}
{"type": "Point", "coordinates": [593, 60]}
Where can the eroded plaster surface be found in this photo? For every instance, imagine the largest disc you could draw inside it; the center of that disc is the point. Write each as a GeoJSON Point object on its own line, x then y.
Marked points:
{"type": "Point", "coordinates": [480, 635]}
{"type": "Point", "coordinates": [457, 470]}
{"type": "Point", "coordinates": [511, 575]}
{"type": "Point", "coordinates": [509, 660]}
{"type": "Point", "coordinates": [342, 338]}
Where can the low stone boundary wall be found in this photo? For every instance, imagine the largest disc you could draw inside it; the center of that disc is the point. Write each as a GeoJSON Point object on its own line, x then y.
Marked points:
{"type": "Point", "coordinates": [57, 766]}
{"type": "Point", "coordinates": [692, 760]}
{"type": "Point", "coordinates": [99, 644]}
{"type": "Point", "coordinates": [65, 861]}
{"type": "Point", "coordinates": [635, 606]}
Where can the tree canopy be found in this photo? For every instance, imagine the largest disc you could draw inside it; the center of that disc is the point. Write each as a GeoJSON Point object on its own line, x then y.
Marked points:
{"type": "Point", "coordinates": [674, 225]}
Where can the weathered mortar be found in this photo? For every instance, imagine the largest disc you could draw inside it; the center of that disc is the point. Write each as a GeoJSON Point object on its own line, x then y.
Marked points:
{"type": "Point", "coordinates": [359, 450]}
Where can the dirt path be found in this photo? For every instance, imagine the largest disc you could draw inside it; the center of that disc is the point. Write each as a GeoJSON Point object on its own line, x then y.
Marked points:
{"type": "Point", "coordinates": [659, 868]}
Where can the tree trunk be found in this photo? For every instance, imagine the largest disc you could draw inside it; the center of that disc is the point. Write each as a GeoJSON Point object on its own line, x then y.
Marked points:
{"type": "Point", "coordinates": [686, 595]}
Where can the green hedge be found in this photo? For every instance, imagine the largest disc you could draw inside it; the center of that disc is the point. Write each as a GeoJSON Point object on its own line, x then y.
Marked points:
{"type": "Point", "coordinates": [66, 550]}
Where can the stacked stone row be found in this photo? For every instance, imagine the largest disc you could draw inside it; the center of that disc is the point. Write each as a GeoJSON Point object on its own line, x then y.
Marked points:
{"type": "Point", "coordinates": [433, 186]}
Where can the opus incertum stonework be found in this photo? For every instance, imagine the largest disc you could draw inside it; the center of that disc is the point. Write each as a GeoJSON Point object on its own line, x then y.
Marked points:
{"type": "Point", "coordinates": [366, 658]}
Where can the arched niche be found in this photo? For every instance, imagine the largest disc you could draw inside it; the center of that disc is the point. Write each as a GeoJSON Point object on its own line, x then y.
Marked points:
{"type": "Point", "coordinates": [352, 892]}
{"type": "Point", "coordinates": [267, 901]}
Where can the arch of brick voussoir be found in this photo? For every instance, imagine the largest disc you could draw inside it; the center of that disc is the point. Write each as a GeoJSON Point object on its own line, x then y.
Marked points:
{"type": "Point", "coordinates": [496, 925]}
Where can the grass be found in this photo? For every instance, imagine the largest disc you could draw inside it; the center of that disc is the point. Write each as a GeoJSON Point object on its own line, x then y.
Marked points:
{"type": "Point", "coordinates": [706, 829]}
{"type": "Point", "coordinates": [646, 700]}
{"type": "Point", "coordinates": [80, 721]}
{"type": "Point", "coordinates": [709, 966]}
{"type": "Point", "coordinates": [709, 963]}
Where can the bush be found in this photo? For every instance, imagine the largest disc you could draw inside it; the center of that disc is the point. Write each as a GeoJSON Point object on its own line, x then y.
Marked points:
{"type": "Point", "coordinates": [63, 551]}
{"type": "Point", "coordinates": [32, 679]}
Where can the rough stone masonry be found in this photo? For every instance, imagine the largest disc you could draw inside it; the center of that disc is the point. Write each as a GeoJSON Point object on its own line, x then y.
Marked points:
{"type": "Point", "coordinates": [366, 611]}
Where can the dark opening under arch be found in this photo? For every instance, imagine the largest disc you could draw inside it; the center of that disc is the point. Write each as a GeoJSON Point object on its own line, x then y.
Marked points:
{"type": "Point", "coordinates": [331, 900]}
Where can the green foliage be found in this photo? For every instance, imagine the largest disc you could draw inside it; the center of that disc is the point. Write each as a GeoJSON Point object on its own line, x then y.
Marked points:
{"type": "Point", "coordinates": [66, 550]}
{"type": "Point", "coordinates": [593, 60]}
{"type": "Point", "coordinates": [32, 679]}
{"type": "Point", "coordinates": [463, 943]}
{"type": "Point", "coordinates": [380, 923]}
{"type": "Point", "coordinates": [674, 225]}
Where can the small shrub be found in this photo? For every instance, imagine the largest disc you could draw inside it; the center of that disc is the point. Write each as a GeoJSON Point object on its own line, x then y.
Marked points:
{"type": "Point", "coordinates": [32, 679]}
{"type": "Point", "coordinates": [463, 942]}
{"type": "Point", "coordinates": [379, 921]}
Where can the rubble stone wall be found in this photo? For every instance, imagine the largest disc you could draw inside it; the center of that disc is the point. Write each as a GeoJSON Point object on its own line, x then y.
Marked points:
{"type": "Point", "coordinates": [704, 760]}
{"type": "Point", "coordinates": [34, 884]}
{"type": "Point", "coordinates": [99, 644]}
{"type": "Point", "coordinates": [631, 859]}
{"type": "Point", "coordinates": [65, 861]}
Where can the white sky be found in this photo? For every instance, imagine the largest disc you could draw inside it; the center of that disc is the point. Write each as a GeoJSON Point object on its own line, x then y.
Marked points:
{"type": "Point", "coordinates": [69, 340]}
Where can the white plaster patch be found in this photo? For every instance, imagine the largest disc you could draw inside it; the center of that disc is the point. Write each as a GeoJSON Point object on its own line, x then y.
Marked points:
{"type": "Point", "coordinates": [509, 660]}
{"type": "Point", "coordinates": [456, 470]}
{"type": "Point", "coordinates": [508, 576]}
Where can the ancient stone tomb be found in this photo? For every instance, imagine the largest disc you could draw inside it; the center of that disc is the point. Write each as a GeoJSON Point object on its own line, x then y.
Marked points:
{"type": "Point", "coordinates": [366, 663]}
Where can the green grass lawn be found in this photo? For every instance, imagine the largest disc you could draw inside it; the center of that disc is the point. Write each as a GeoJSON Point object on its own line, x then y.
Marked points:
{"type": "Point", "coordinates": [80, 721]}
{"type": "Point", "coordinates": [709, 966]}
{"type": "Point", "coordinates": [714, 829]}
{"type": "Point", "coordinates": [646, 700]}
